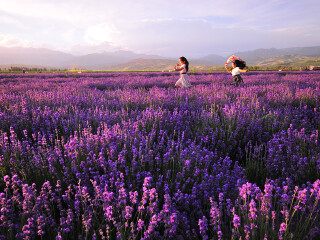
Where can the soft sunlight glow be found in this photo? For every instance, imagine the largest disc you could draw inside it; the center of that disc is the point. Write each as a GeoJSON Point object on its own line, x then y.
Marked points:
{"type": "Point", "coordinates": [101, 33]}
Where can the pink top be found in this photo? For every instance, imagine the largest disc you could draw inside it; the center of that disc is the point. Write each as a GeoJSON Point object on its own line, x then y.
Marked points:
{"type": "Point", "coordinates": [184, 70]}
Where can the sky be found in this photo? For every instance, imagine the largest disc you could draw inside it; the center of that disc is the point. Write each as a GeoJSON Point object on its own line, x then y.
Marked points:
{"type": "Point", "coordinates": [170, 28]}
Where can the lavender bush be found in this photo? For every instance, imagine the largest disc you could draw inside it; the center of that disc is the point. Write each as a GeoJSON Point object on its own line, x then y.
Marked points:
{"type": "Point", "coordinates": [128, 156]}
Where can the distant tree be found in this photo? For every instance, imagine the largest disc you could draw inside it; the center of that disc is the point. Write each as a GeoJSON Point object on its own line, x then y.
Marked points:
{"type": "Point", "coordinates": [254, 68]}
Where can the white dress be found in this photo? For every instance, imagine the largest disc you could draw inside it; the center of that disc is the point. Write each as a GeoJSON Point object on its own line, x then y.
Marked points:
{"type": "Point", "coordinates": [184, 78]}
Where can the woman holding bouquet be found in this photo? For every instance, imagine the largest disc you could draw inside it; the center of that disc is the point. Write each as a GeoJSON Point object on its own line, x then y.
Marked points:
{"type": "Point", "coordinates": [183, 81]}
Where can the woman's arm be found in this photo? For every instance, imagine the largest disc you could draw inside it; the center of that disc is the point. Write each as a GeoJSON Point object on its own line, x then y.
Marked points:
{"type": "Point", "coordinates": [242, 70]}
{"type": "Point", "coordinates": [178, 68]}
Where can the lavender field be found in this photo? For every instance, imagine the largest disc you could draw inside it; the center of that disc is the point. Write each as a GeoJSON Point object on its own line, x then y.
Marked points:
{"type": "Point", "coordinates": [128, 156]}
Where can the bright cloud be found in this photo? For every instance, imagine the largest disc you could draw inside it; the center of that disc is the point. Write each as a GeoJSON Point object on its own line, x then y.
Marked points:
{"type": "Point", "coordinates": [11, 41]}
{"type": "Point", "coordinates": [103, 32]}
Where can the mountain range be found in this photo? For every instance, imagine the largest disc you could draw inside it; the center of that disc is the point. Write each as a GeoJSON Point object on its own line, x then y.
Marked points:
{"type": "Point", "coordinates": [126, 60]}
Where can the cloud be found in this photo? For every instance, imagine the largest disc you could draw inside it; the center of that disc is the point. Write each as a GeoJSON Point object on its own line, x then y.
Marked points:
{"type": "Point", "coordinates": [11, 21]}
{"type": "Point", "coordinates": [103, 32]}
{"type": "Point", "coordinates": [87, 12]}
{"type": "Point", "coordinates": [164, 27]}
{"type": "Point", "coordinates": [194, 37]}
{"type": "Point", "coordinates": [11, 41]}
{"type": "Point", "coordinates": [40, 9]}
{"type": "Point", "coordinates": [80, 49]}
{"type": "Point", "coordinates": [294, 36]}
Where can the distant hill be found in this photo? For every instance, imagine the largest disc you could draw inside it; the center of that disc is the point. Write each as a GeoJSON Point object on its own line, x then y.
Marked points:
{"type": "Point", "coordinates": [212, 59]}
{"type": "Point", "coordinates": [264, 57]}
{"type": "Point", "coordinates": [104, 60]}
{"type": "Point", "coordinates": [95, 60]}
{"type": "Point", "coordinates": [156, 65]}
{"type": "Point", "coordinates": [290, 60]}
{"type": "Point", "coordinates": [253, 57]}
{"type": "Point", "coordinates": [42, 57]}
{"type": "Point", "coordinates": [257, 56]}
{"type": "Point", "coordinates": [305, 51]}
{"type": "Point", "coordinates": [143, 64]}
{"type": "Point", "coordinates": [33, 57]}
{"type": "Point", "coordinates": [127, 60]}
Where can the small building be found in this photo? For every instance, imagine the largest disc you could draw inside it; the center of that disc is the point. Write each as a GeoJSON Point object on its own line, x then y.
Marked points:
{"type": "Point", "coordinates": [317, 68]}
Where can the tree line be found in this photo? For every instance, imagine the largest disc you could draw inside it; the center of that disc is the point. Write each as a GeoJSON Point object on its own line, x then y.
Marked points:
{"type": "Point", "coordinates": [28, 69]}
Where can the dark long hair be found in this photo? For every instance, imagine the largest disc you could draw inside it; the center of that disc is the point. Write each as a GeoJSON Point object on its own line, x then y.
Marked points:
{"type": "Point", "coordinates": [186, 62]}
{"type": "Point", "coordinates": [240, 64]}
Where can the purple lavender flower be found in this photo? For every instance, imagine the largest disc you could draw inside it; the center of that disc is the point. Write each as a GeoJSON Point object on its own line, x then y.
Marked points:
{"type": "Point", "coordinates": [109, 214]}
{"type": "Point", "coordinates": [247, 231]}
{"type": "Point", "coordinates": [245, 190]}
{"type": "Point", "coordinates": [174, 223]}
{"type": "Point", "coordinates": [149, 157]}
{"type": "Point", "coordinates": [41, 225]}
{"type": "Point", "coordinates": [302, 196]}
{"type": "Point", "coordinates": [203, 225]}
{"type": "Point", "coordinates": [134, 197]}
{"type": "Point", "coordinates": [167, 204]}
{"type": "Point", "coordinates": [128, 212]}
{"type": "Point", "coordinates": [282, 230]}
{"type": "Point", "coordinates": [252, 210]}
{"type": "Point", "coordinates": [147, 183]}
{"type": "Point", "coordinates": [59, 237]}
{"type": "Point", "coordinates": [140, 225]}
{"type": "Point", "coordinates": [267, 199]}
{"type": "Point", "coordinates": [215, 214]}
{"type": "Point", "coordinates": [236, 221]}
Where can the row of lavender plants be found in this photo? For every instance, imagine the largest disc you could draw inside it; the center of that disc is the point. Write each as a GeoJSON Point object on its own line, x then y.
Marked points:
{"type": "Point", "coordinates": [128, 156]}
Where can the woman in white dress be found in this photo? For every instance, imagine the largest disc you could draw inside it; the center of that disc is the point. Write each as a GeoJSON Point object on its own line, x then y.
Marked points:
{"type": "Point", "coordinates": [184, 78]}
